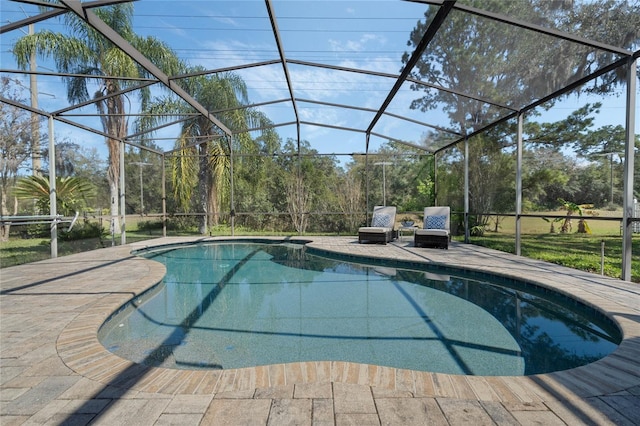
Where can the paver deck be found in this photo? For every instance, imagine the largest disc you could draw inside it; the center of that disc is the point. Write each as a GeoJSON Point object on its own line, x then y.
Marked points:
{"type": "Point", "coordinates": [53, 370]}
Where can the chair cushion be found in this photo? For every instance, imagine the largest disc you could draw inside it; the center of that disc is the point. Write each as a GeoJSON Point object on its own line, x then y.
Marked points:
{"type": "Point", "coordinates": [435, 222]}
{"type": "Point", "coordinates": [373, 230]}
{"type": "Point", "coordinates": [381, 220]}
{"type": "Point", "coordinates": [433, 232]}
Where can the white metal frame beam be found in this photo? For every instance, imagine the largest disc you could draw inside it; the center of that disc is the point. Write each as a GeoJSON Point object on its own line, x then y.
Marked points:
{"type": "Point", "coordinates": [627, 213]}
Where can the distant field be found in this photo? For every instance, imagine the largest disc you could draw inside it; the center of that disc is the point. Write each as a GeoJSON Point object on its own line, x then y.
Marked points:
{"type": "Point", "coordinates": [534, 225]}
{"type": "Point", "coordinates": [578, 251]}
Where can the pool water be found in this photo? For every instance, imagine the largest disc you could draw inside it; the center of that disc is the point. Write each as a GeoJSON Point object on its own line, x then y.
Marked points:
{"type": "Point", "coordinates": [241, 304]}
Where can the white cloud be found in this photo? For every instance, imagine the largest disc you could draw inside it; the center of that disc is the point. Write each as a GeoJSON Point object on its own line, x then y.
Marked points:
{"type": "Point", "coordinates": [358, 45]}
{"type": "Point", "coordinates": [174, 30]}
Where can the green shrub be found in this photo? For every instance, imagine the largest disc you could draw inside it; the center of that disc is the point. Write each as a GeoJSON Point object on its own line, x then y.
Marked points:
{"type": "Point", "coordinates": [83, 230]}
{"type": "Point", "coordinates": [40, 230]}
{"type": "Point", "coordinates": [182, 223]}
{"type": "Point", "coordinates": [149, 225]}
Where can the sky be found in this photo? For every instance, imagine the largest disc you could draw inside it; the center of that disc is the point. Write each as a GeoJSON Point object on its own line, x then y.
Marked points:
{"type": "Point", "coordinates": [365, 34]}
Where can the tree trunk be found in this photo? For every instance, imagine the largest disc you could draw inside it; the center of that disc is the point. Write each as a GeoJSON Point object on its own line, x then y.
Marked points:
{"type": "Point", "coordinates": [203, 192]}
{"type": "Point", "coordinates": [114, 123]}
{"type": "Point", "coordinates": [114, 204]}
{"type": "Point", "coordinates": [582, 227]}
{"type": "Point", "coordinates": [298, 200]}
{"type": "Point", "coordinates": [4, 229]}
{"type": "Point", "coordinates": [566, 225]}
{"type": "Point", "coordinates": [349, 197]}
{"type": "Point", "coordinates": [212, 200]}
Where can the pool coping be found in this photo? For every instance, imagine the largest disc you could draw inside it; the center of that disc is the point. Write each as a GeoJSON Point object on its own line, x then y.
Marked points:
{"type": "Point", "coordinates": [79, 348]}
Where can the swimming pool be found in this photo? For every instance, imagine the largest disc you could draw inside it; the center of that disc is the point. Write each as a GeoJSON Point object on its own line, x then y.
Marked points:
{"type": "Point", "coordinates": [238, 304]}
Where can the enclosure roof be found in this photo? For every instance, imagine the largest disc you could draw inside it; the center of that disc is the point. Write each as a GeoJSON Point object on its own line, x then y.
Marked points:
{"type": "Point", "coordinates": [374, 69]}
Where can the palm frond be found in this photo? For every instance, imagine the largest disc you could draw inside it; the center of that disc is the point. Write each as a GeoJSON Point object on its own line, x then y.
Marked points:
{"type": "Point", "coordinates": [184, 172]}
{"type": "Point", "coordinates": [159, 111]}
{"type": "Point", "coordinates": [71, 192]}
{"type": "Point", "coordinates": [160, 53]}
{"type": "Point", "coordinates": [69, 53]}
{"type": "Point", "coordinates": [117, 63]}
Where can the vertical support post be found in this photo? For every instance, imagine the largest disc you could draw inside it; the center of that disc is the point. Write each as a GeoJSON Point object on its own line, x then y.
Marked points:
{"type": "Point", "coordinates": [53, 198]}
{"type": "Point", "coordinates": [611, 176]}
{"type": "Point", "coordinates": [299, 185]}
{"type": "Point", "coordinates": [366, 177]}
{"type": "Point", "coordinates": [519, 182]}
{"type": "Point", "coordinates": [602, 257]}
{"type": "Point", "coordinates": [384, 184]}
{"type": "Point", "coordinates": [141, 192]}
{"type": "Point", "coordinates": [466, 190]}
{"type": "Point", "coordinates": [164, 198]}
{"type": "Point", "coordinates": [123, 234]}
{"type": "Point", "coordinates": [627, 199]}
{"type": "Point", "coordinates": [435, 180]}
{"type": "Point", "coordinates": [232, 194]}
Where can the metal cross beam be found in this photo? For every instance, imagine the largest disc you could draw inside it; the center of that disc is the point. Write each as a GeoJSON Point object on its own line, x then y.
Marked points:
{"type": "Point", "coordinates": [276, 35]}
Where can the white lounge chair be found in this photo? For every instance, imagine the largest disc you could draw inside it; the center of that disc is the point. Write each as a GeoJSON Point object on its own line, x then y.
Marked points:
{"type": "Point", "coordinates": [381, 229]}
{"type": "Point", "coordinates": [436, 228]}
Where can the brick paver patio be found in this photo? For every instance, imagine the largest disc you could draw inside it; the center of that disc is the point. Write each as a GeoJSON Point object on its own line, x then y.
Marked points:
{"type": "Point", "coordinates": [54, 371]}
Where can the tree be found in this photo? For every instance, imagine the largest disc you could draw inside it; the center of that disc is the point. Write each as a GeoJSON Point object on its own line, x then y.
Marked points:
{"type": "Point", "coordinates": [308, 182]}
{"type": "Point", "coordinates": [572, 208]}
{"type": "Point", "coordinates": [255, 174]}
{"type": "Point", "coordinates": [65, 156]}
{"type": "Point", "coordinates": [350, 198]}
{"type": "Point", "coordinates": [298, 201]}
{"type": "Point", "coordinates": [605, 147]}
{"type": "Point", "coordinates": [72, 159]}
{"type": "Point", "coordinates": [143, 167]}
{"type": "Point", "coordinates": [571, 132]}
{"type": "Point", "coordinates": [411, 177]}
{"type": "Point", "coordinates": [507, 64]}
{"type": "Point", "coordinates": [491, 181]}
{"type": "Point", "coordinates": [202, 159]}
{"type": "Point", "coordinates": [319, 176]}
{"type": "Point", "coordinates": [72, 193]}
{"type": "Point", "coordinates": [546, 174]}
{"type": "Point", "coordinates": [84, 51]}
{"type": "Point", "coordinates": [15, 147]}
{"type": "Point", "coordinates": [612, 21]}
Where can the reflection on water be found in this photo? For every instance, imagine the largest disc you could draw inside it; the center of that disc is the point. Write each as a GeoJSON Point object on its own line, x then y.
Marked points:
{"type": "Point", "coordinates": [232, 305]}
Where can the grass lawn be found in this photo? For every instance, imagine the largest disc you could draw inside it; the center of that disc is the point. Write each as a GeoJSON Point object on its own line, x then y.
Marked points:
{"type": "Point", "coordinates": [578, 251]}
{"type": "Point", "coordinates": [18, 251]}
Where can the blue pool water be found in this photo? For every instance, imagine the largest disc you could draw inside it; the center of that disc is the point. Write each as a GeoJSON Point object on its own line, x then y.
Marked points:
{"type": "Point", "coordinates": [231, 305]}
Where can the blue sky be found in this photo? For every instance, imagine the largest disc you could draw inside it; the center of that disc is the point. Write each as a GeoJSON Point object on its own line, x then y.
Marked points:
{"type": "Point", "coordinates": [364, 34]}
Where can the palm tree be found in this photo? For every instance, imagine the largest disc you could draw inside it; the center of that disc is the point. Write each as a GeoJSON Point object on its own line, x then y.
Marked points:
{"type": "Point", "coordinates": [202, 161]}
{"type": "Point", "coordinates": [84, 51]}
{"type": "Point", "coordinates": [571, 208]}
{"type": "Point", "coordinates": [71, 192]}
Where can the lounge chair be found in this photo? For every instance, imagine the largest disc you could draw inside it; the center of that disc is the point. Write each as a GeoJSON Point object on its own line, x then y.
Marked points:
{"type": "Point", "coordinates": [381, 229]}
{"type": "Point", "coordinates": [436, 228]}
